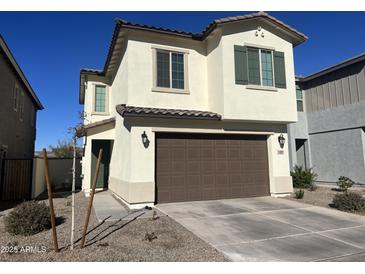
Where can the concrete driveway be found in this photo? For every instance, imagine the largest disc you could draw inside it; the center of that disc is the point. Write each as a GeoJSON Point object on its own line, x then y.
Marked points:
{"type": "Point", "coordinates": [273, 229]}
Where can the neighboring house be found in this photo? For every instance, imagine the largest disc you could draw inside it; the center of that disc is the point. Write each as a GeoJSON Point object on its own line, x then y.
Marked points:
{"type": "Point", "coordinates": [183, 116]}
{"type": "Point", "coordinates": [330, 133]}
{"type": "Point", "coordinates": [18, 108]}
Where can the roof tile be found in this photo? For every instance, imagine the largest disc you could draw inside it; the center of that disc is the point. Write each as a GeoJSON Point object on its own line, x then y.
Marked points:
{"type": "Point", "coordinates": [132, 111]}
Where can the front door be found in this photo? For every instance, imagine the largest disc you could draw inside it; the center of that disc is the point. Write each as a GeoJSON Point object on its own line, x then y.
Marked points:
{"type": "Point", "coordinates": [102, 181]}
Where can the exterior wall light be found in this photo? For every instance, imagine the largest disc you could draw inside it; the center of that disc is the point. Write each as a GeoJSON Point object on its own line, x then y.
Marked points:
{"type": "Point", "coordinates": [281, 140]}
{"type": "Point", "coordinates": [145, 140]}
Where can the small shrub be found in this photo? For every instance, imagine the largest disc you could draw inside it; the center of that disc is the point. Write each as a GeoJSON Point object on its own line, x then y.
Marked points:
{"type": "Point", "coordinates": [312, 187]}
{"type": "Point", "coordinates": [344, 183]}
{"type": "Point", "coordinates": [299, 194]}
{"type": "Point", "coordinates": [303, 177]}
{"type": "Point", "coordinates": [150, 236]}
{"type": "Point", "coordinates": [28, 218]}
{"type": "Point", "coordinates": [349, 201]}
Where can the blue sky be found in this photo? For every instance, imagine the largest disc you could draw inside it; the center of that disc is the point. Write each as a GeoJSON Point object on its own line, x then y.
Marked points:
{"type": "Point", "coordinates": [51, 47]}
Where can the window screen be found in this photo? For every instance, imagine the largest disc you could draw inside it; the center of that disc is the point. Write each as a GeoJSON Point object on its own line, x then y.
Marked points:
{"type": "Point", "coordinates": [177, 66]}
{"type": "Point", "coordinates": [100, 99]}
{"type": "Point", "coordinates": [163, 69]}
{"type": "Point", "coordinates": [253, 59]}
{"type": "Point", "coordinates": [266, 68]}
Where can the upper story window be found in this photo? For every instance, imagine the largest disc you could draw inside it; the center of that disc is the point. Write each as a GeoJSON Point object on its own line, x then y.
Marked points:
{"type": "Point", "coordinates": [259, 67]}
{"type": "Point", "coordinates": [170, 70]}
{"type": "Point", "coordinates": [299, 94]}
{"type": "Point", "coordinates": [100, 99]}
{"type": "Point", "coordinates": [16, 97]}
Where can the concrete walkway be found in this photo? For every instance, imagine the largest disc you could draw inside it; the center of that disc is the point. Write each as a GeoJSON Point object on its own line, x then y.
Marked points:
{"type": "Point", "coordinates": [108, 208]}
{"type": "Point", "coordinates": [273, 229]}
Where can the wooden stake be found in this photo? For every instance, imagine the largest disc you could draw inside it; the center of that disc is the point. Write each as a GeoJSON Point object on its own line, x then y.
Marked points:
{"type": "Point", "coordinates": [73, 193]}
{"type": "Point", "coordinates": [91, 198]}
{"type": "Point", "coordinates": [50, 200]}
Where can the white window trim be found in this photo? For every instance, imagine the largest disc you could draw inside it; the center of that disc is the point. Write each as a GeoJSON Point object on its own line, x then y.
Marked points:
{"type": "Point", "coordinates": [261, 86]}
{"type": "Point", "coordinates": [106, 112]}
{"type": "Point", "coordinates": [155, 88]}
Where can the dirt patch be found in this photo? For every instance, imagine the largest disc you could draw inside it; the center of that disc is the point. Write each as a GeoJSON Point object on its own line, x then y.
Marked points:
{"type": "Point", "coordinates": [322, 196]}
{"type": "Point", "coordinates": [123, 240]}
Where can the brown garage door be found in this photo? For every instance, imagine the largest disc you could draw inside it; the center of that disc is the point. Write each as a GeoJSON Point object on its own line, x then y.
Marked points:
{"type": "Point", "coordinates": [192, 167]}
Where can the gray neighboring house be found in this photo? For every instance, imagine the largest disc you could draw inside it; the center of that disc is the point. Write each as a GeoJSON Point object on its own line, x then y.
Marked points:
{"type": "Point", "coordinates": [330, 133]}
{"type": "Point", "coordinates": [18, 108]}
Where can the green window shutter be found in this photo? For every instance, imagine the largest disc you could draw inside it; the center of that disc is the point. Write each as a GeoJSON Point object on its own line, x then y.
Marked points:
{"type": "Point", "coordinates": [279, 69]}
{"type": "Point", "coordinates": [240, 65]}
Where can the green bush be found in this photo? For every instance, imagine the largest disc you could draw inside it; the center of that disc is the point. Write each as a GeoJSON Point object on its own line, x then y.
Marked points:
{"type": "Point", "coordinates": [349, 201]}
{"type": "Point", "coordinates": [299, 194]}
{"type": "Point", "coordinates": [28, 218]}
{"type": "Point", "coordinates": [303, 177]}
{"type": "Point", "coordinates": [344, 183]}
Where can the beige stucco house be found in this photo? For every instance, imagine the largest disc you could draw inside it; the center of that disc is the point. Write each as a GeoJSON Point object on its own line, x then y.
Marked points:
{"type": "Point", "coordinates": [183, 116]}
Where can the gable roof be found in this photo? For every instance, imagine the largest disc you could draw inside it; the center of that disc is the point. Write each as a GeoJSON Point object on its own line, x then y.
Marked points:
{"type": "Point", "coordinates": [345, 63]}
{"type": "Point", "coordinates": [4, 49]}
{"type": "Point", "coordinates": [111, 61]}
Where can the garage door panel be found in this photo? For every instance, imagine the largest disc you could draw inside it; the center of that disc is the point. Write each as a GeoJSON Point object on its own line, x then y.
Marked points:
{"type": "Point", "coordinates": [234, 165]}
{"type": "Point", "coordinates": [163, 166]}
{"type": "Point", "coordinates": [234, 152]}
{"type": "Point", "coordinates": [193, 181]}
{"type": "Point", "coordinates": [178, 166]}
{"type": "Point", "coordinates": [208, 180]}
{"type": "Point", "coordinates": [177, 179]}
{"type": "Point", "coordinates": [193, 167]}
{"type": "Point", "coordinates": [221, 153]}
{"type": "Point", "coordinates": [206, 166]}
{"type": "Point", "coordinates": [221, 179]}
{"type": "Point", "coordinates": [177, 154]}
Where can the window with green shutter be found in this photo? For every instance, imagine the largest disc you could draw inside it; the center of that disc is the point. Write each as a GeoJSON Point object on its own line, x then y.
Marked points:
{"type": "Point", "coordinates": [256, 66]}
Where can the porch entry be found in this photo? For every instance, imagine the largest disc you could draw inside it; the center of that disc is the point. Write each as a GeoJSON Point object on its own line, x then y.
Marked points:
{"type": "Point", "coordinates": [301, 150]}
{"type": "Point", "coordinates": [106, 145]}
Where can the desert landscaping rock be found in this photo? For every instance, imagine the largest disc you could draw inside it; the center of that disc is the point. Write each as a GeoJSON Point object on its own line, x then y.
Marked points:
{"type": "Point", "coordinates": [323, 196]}
{"type": "Point", "coordinates": [120, 240]}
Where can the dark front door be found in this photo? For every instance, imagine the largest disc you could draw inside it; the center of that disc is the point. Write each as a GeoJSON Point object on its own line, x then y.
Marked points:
{"type": "Point", "coordinates": [192, 167]}
{"type": "Point", "coordinates": [103, 177]}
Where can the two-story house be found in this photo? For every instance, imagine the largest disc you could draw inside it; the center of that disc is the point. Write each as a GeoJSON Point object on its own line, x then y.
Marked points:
{"type": "Point", "coordinates": [18, 108]}
{"type": "Point", "coordinates": [330, 133]}
{"type": "Point", "coordinates": [183, 116]}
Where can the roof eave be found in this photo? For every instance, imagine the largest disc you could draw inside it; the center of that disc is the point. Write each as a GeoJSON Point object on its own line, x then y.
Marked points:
{"type": "Point", "coordinates": [345, 63]}
{"type": "Point", "coordinates": [83, 77]}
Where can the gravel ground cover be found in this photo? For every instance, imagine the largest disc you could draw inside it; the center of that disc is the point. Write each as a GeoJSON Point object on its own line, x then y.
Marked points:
{"type": "Point", "coordinates": [122, 240]}
{"type": "Point", "coordinates": [323, 196]}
